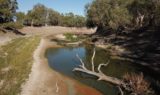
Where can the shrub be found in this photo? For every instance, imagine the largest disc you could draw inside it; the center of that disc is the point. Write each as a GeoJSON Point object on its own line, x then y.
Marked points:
{"type": "Point", "coordinates": [137, 84]}
{"type": "Point", "coordinates": [71, 37]}
{"type": "Point", "coordinates": [16, 25]}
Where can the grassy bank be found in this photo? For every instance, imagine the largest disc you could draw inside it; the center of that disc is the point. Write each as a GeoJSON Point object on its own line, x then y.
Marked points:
{"type": "Point", "coordinates": [15, 64]}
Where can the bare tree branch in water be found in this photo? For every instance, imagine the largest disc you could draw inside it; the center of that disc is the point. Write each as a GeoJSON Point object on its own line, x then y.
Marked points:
{"type": "Point", "coordinates": [135, 84]}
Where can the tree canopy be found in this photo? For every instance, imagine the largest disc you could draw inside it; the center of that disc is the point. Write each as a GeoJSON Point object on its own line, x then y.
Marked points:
{"type": "Point", "coordinates": [20, 16]}
{"type": "Point", "coordinates": [116, 13]}
{"type": "Point", "coordinates": [112, 13]}
{"type": "Point", "coordinates": [41, 15]}
{"type": "Point", "coordinates": [53, 17]}
{"type": "Point", "coordinates": [7, 10]}
{"type": "Point", "coordinates": [71, 20]}
{"type": "Point", "coordinates": [37, 16]}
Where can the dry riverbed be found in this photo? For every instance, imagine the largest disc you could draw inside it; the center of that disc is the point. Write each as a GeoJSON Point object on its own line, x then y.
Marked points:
{"type": "Point", "coordinates": [42, 80]}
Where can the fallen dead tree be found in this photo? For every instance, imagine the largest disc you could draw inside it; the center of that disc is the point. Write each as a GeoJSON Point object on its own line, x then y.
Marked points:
{"type": "Point", "coordinates": [10, 29]}
{"type": "Point", "coordinates": [134, 84]}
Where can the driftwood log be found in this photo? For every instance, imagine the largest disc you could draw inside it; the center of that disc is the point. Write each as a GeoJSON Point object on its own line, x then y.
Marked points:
{"type": "Point", "coordinates": [101, 76]}
{"type": "Point", "coordinates": [122, 84]}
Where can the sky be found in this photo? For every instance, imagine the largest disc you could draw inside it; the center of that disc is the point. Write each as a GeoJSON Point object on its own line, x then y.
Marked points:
{"type": "Point", "coordinates": [62, 6]}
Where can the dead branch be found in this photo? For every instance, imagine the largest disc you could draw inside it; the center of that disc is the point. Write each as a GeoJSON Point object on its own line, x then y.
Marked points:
{"type": "Point", "coordinates": [92, 60]}
{"type": "Point", "coordinates": [100, 65]}
{"type": "Point", "coordinates": [82, 66]}
{"type": "Point", "coordinates": [130, 83]}
{"type": "Point", "coordinates": [57, 88]}
{"type": "Point", "coordinates": [98, 74]}
{"type": "Point", "coordinates": [122, 93]}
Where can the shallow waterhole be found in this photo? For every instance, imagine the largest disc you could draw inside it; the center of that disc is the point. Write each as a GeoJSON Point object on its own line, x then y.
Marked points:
{"type": "Point", "coordinates": [64, 60]}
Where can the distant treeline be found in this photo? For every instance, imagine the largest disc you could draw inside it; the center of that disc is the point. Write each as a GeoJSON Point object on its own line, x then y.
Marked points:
{"type": "Point", "coordinates": [114, 14]}
{"type": "Point", "coordinates": [43, 16]}
{"type": "Point", "coordinates": [40, 15]}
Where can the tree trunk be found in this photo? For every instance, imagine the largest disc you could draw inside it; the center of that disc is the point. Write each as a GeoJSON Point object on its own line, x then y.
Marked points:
{"type": "Point", "coordinates": [32, 23]}
{"type": "Point", "coordinates": [129, 85]}
{"type": "Point", "coordinates": [101, 76]}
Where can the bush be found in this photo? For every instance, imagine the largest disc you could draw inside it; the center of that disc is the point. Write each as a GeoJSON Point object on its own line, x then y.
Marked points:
{"type": "Point", "coordinates": [71, 37]}
{"type": "Point", "coordinates": [137, 84]}
{"type": "Point", "coordinates": [16, 25]}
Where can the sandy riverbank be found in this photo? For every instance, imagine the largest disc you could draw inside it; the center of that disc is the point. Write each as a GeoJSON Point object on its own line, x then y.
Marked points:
{"type": "Point", "coordinates": [44, 81]}
{"type": "Point", "coordinates": [52, 30]}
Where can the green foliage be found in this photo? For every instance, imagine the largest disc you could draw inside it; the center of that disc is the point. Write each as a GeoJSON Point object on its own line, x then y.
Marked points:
{"type": "Point", "coordinates": [8, 13]}
{"type": "Point", "coordinates": [4, 10]}
{"type": "Point", "coordinates": [157, 14]}
{"type": "Point", "coordinates": [112, 13]}
{"type": "Point", "coordinates": [117, 13]}
{"type": "Point", "coordinates": [53, 17]}
{"type": "Point", "coordinates": [41, 15]}
{"type": "Point", "coordinates": [7, 10]}
{"type": "Point", "coordinates": [37, 16]}
{"type": "Point", "coordinates": [119, 17]}
{"type": "Point", "coordinates": [68, 20]}
{"type": "Point", "coordinates": [71, 20]}
{"type": "Point", "coordinates": [80, 21]}
{"type": "Point", "coordinates": [16, 25]}
{"type": "Point", "coordinates": [71, 37]}
{"type": "Point", "coordinates": [20, 17]}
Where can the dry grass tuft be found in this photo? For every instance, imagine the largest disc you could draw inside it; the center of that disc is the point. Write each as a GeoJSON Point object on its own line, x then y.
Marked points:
{"type": "Point", "coordinates": [137, 84]}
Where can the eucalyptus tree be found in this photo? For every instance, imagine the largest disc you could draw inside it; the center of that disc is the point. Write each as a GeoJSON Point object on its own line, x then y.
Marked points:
{"type": "Point", "coordinates": [13, 7]}
{"type": "Point", "coordinates": [20, 17]}
{"type": "Point", "coordinates": [142, 11]}
{"type": "Point", "coordinates": [41, 15]}
{"type": "Point", "coordinates": [116, 13]}
{"type": "Point", "coordinates": [68, 20]}
{"type": "Point", "coordinates": [37, 16]}
{"type": "Point", "coordinates": [108, 13]}
{"type": "Point", "coordinates": [156, 20]}
{"type": "Point", "coordinates": [79, 21]}
{"type": "Point", "coordinates": [72, 20]}
{"type": "Point", "coordinates": [53, 18]}
{"type": "Point", "coordinates": [7, 10]}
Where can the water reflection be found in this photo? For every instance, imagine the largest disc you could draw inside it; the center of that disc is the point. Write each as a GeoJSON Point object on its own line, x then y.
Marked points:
{"type": "Point", "coordinates": [64, 61]}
